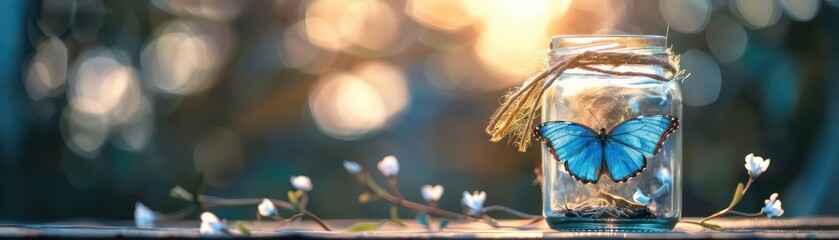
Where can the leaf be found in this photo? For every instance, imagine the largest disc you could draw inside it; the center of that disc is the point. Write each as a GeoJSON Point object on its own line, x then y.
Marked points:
{"type": "Point", "coordinates": [198, 190]}
{"type": "Point", "coordinates": [292, 197]}
{"type": "Point", "coordinates": [179, 192]}
{"type": "Point", "coordinates": [367, 197]}
{"type": "Point", "coordinates": [738, 195]}
{"type": "Point", "coordinates": [711, 226]}
{"type": "Point", "coordinates": [443, 224]}
{"type": "Point", "coordinates": [243, 229]}
{"type": "Point", "coordinates": [394, 215]}
{"type": "Point", "coordinates": [422, 219]}
{"type": "Point", "coordinates": [363, 226]}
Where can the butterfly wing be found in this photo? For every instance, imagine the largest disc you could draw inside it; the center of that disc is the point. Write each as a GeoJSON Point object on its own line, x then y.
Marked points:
{"type": "Point", "coordinates": [575, 144]}
{"type": "Point", "coordinates": [629, 144]}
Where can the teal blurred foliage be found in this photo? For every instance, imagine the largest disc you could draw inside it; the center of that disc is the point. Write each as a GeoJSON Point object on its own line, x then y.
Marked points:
{"type": "Point", "coordinates": [233, 89]}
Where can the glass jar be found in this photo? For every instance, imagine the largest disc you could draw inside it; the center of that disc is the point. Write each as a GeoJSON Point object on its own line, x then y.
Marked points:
{"type": "Point", "coordinates": [647, 202]}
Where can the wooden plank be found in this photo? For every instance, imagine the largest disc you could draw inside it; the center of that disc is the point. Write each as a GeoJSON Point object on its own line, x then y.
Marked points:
{"type": "Point", "coordinates": [816, 227]}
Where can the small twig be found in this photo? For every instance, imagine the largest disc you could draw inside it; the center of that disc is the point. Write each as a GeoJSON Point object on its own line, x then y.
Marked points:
{"type": "Point", "coordinates": [378, 190]}
{"type": "Point", "coordinates": [216, 202]}
{"type": "Point", "coordinates": [705, 225]}
{"type": "Point", "coordinates": [304, 200]}
{"type": "Point", "coordinates": [494, 223]}
{"type": "Point", "coordinates": [288, 220]}
{"type": "Point", "coordinates": [748, 184]}
{"type": "Point", "coordinates": [511, 211]}
{"type": "Point", "coordinates": [394, 188]}
{"type": "Point", "coordinates": [177, 214]}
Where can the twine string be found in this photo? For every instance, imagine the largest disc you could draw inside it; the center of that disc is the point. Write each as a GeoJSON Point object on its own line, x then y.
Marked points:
{"type": "Point", "coordinates": [519, 109]}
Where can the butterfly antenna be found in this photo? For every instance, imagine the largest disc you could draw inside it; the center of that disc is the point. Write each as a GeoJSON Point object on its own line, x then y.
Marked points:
{"type": "Point", "coordinates": [595, 118]}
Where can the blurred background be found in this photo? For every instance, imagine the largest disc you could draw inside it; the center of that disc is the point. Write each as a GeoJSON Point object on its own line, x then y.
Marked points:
{"type": "Point", "coordinates": [105, 103]}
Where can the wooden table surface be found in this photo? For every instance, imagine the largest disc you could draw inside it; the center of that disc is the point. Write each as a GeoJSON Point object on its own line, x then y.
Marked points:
{"type": "Point", "coordinates": [814, 227]}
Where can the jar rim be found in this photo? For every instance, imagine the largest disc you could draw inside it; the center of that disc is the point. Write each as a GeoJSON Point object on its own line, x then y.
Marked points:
{"type": "Point", "coordinates": [574, 42]}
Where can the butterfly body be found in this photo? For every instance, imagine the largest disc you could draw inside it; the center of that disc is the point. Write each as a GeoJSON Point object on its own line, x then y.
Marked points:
{"type": "Point", "coordinates": [620, 153]}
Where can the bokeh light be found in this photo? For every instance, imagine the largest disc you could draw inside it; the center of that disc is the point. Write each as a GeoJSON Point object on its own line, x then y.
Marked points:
{"type": "Point", "coordinates": [105, 97]}
{"type": "Point", "coordinates": [182, 59]}
{"type": "Point", "coordinates": [367, 28]}
{"type": "Point", "coordinates": [726, 38]}
{"type": "Point", "coordinates": [100, 83]}
{"type": "Point", "coordinates": [217, 10]}
{"type": "Point", "coordinates": [47, 70]}
{"type": "Point", "coordinates": [296, 52]}
{"type": "Point", "coordinates": [444, 15]}
{"type": "Point", "coordinates": [801, 10]}
{"type": "Point", "coordinates": [688, 16]}
{"type": "Point", "coordinates": [703, 85]}
{"type": "Point", "coordinates": [352, 105]}
{"type": "Point", "coordinates": [757, 13]}
{"type": "Point", "coordinates": [84, 127]}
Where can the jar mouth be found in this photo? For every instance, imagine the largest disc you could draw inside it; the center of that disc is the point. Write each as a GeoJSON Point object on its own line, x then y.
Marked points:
{"type": "Point", "coordinates": [596, 42]}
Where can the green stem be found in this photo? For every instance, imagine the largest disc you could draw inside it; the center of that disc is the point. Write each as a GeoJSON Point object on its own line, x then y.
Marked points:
{"type": "Point", "coordinates": [738, 195]}
{"type": "Point", "coordinates": [757, 214]}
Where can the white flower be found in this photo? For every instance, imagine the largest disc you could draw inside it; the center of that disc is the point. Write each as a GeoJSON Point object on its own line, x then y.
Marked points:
{"type": "Point", "coordinates": [301, 183]}
{"type": "Point", "coordinates": [389, 166]}
{"type": "Point", "coordinates": [143, 216]}
{"type": "Point", "coordinates": [756, 165]}
{"type": "Point", "coordinates": [211, 225]}
{"type": "Point", "coordinates": [352, 167]}
{"type": "Point", "coordinates": [474, 201]}
{"type": "Point", "coordinates": [266, 208]}
{"type": "Point", "coordinates": [773, 206]}
{"type": "Point", "coordinates": [663, 175]}
{"type": "Point", "coordinates": [640, 197]}
{"type": "Point", "coordinates": [432, 193]}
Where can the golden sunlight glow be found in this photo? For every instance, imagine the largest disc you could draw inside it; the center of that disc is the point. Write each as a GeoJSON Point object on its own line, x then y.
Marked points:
{"type": "Point", "coordinates": [515, 36]}
{"type": "Point", "coordinates": [444, 15]}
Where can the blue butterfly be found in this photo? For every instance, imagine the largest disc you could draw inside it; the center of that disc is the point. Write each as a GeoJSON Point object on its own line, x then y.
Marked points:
{"type": "Point", "coordinates": [623, 150]}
